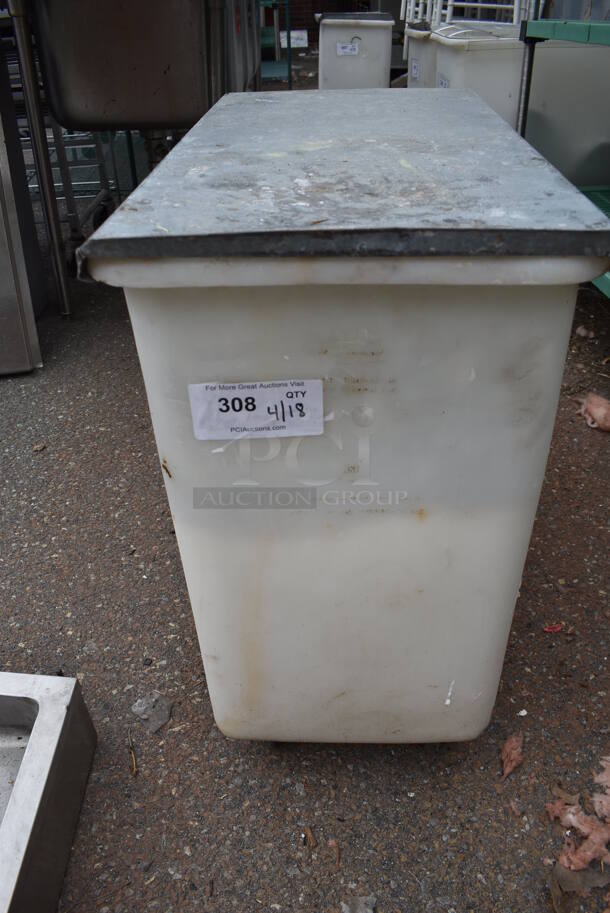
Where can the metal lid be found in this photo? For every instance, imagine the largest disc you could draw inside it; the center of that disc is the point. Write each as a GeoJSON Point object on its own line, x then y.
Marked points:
{"type": "Point", "coordinates": [418, 25]}
{"type": "Point", "coordinates": [360, 17]}
{"type": "Point", "coordinates": [382, 172]}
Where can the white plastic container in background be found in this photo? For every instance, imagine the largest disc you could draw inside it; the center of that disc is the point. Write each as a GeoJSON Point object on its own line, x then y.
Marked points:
{"type": "Point", "coordinates": [421, 59]}
{"type": "Point", "coordinates": [568, 114]}
{"type": "Point", "coordinates": [487, 61]}
{"type": "Point", "coordinates": [368, 244]}
{"type": "Point", "coordinates": [355, 50]}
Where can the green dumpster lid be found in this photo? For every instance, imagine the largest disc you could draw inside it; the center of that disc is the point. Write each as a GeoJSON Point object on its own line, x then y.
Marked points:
{"type": "Point", "coordinates": [381, 172]}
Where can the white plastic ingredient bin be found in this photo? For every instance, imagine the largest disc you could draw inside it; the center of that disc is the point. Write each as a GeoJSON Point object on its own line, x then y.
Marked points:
{"type": "Point", "coordinates": [353, 577]}
{"type": "Point", "coordinates": [421, 59]}
{"type": "Point", "coordinates": [487, 61]}
{"type": "Point", "coordinates": [355, 50]}
{"type": "Point", "coordinates": [568, 115]}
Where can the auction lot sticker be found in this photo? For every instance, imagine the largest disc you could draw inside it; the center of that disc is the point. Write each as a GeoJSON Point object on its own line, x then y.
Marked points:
{"type": "Point", "coordinates": [262, 408]}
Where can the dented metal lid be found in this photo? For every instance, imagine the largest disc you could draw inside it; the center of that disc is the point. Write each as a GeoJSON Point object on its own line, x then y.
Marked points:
{"type": "Point", "coordinates": [382, 172]}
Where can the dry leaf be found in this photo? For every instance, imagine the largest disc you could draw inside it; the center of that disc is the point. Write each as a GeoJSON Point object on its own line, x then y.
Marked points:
{"type": "Point", "coordinates": [511, 754]}
{"type": "Point", "coordinates": [594, 833]}
{"type": "Point", "coordinates": [556, 808]}
{"type": "Point", "coordinates": [563, 881]}
{"type": "Point", "coordinates": [601, 804]}
{"type": "Point", "coordinates": [37, 448]}
{"type": "Point", "coordinates": [516, 808]}
{"type": "Point", "coordinates": [569, 798]}
{"type": "Point", "coordinates": [603, 778]}
{"type": "Point", "coordinates": [601, 801]}
{"type": "Point", "coordinates": [309, 837]}
{"type": "Point", "coordinates": [596, 411]}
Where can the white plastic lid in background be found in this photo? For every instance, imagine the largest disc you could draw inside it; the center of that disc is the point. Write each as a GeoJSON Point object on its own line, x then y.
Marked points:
{"type": "Point", "coordinates": [472, 37]}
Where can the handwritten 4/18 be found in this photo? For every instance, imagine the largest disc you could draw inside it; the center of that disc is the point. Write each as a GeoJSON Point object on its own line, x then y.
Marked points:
{"type": "Point", "coordinates": [248, 404]}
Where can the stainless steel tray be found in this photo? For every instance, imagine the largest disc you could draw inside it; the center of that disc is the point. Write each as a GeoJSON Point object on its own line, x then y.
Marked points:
{"type": "Point", "coordinates": [47, 742]}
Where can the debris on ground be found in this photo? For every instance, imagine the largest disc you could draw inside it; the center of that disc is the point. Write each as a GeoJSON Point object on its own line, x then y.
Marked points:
{"type": "Point", "coordinates": [585, 855]}
{"type": "Point", "coordinates": [555, 628]}
{"type": "Point", "coordinates": [309, 838]}
{"type": "Point", "coordinates": [563, 881]}
{"type": "Point", "coordinates": [335, 846]}
{"type": "Point", "coordinates": [132, 754]}
{"type": "Point", "coordinates": [596, 410]}
{"type": "Point", "coordinates": [595, 834]}
{"type": "Point", "coordinates": [153, 709]}
{"type": "Point", "coordinates": [511, 754]}
{"type": "Point", "coordinates": [37, 448]}
{"type": "Point", "coordinates": [516, 808]}
{"type": "Point", "coordinates": [569, 798]}
{"type": "Point", "coordinates": [601, 801]}
{"type": "Point", "coordinates": [583, 332]}
{"type": "Point", "coordinates": [360, 905]}
{"type": "Point", "coordinates": [602, 778]}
